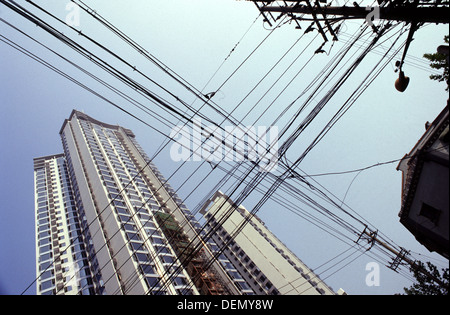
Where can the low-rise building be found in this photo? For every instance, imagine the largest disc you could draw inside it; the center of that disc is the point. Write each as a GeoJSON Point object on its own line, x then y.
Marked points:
{"type": "Point", "coordinates": [425, 197]}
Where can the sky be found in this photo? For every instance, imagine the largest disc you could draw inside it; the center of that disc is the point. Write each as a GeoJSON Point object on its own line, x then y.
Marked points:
{"type": "Point", "coordinates": [204, 42]}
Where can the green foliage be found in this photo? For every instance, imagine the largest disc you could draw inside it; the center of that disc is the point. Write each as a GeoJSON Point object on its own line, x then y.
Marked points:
{"type": "Point", "coordinates": [425, 285]}
{"type": "Point", "coordinates": [439, 61]}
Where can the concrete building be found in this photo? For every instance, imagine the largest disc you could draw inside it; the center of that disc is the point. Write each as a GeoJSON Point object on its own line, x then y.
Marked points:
{"type": "Point", "coordinates": [425, 180]}
{"type": "Point", "coordinates": [62, 264]}
{"type": "Point", "coordinates": [266, 264]}
{"type": "Point", "coordinates": [122, 219]}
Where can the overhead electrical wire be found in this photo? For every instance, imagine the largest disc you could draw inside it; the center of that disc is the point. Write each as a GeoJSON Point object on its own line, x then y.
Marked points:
{"type": "Point", "coordinates": [118, 74]}
{"type": "Point", "coordinates": [247, 190]}
{"type": "Point", "coordinates": [34, 57]}
{"type": "Point", "coordinates": [349, 102]}
{"type": "Point", "coordinates": [370, 166]}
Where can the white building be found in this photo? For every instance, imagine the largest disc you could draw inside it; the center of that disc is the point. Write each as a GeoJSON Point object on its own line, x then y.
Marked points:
{"type": "Point", "coordinates": [120, 228]}
{"type": "Point", "coordinates": [62, 266]}
{"type": "Point", "coordinates": [267, 265]}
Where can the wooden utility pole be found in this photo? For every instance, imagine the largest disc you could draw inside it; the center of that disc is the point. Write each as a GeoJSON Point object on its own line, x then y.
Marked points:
{"type": "Point", "coordinates": [409, 11]}
{"type": "Point", "coordinates": [406, 13]}
{"type": "Point", "coordinates": [323, 16]}
{"type": "Point", "coordinates": [400, 256]}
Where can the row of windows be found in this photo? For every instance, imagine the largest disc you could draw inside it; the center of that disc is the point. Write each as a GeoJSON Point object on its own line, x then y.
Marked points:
{"type": "Point", "coordinates": [79, 237]}
{"type": "Point", "coordinates": [138, 182]}
{"type": "Point", "coordinates": [104, 172]}
{"type": "Point", "coordinates": [238, 280]}
{"type": "Point", "coordinates": [136, 243]}
{"type": "Point", "coordinates": [46, 257]}
{"type": "Point", "coordinates": [236, 254]}
{"type": "Point", "coordinates": [231, 270]}
{"type": "Point", "coordinates": [281, 251]}
{"type": "Point", "coordinates": [125, 169]}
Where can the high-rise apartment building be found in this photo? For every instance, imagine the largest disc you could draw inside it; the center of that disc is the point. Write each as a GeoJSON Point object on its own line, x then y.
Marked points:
{"type": "Point", "coordinates": [266, 264]}
{"type": "Point", "coordinates": [107, 222]}
{"type": "Point", "coordinates": [62, 263]}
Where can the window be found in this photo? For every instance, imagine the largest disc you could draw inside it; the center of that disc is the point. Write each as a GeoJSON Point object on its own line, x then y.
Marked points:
{"type": "Point", "coordinates": [430, 213]}
{"type": "Point", "coordinates": [156, 240]}
{"type": "Point", "coordinates": [214, 248]}
{"type": "Point", "coordinates": [298, 269]}
{"type": "Point", "coordinates": [133, 236]}
{"type": "Point", "coordinates": [162, 249]}
{"type": "Point", "coordinates": [46, 275]}
{"type": "Point", "coordinates": [141, 257]}
{"type": "Point", "coordinates": [180, 281]}
{"type": "Point", "coordinates": [118, 203]}
{"type": "Point", "coordinates": [147, 269]}
{"type": "Point", "coordinates": [121, 210]}
{"type": "Point", "coordinates": [147, 222]}
{"type": "Point", "coordinates": [44, 241]}
{"type": "Point", "coordinates": [243, 285]}
{"type": "Point", "coordinates": [137, 246]}
{"type": "Point", "coordinates": [228, 265]}
{"type": "Point", "coordinates": [167, 259]}
{"type": "Point", "coordinates": [153, 282]}
{"type": "Point", "coordinates": [268, 285]}
{"type": "Point", "coordinates": [262, 278]}
{"type": "Point", "coordinates": [129, 227]}
{"type": "Point", "coordinates": [235, 275]}
{"type": "Point", "coordinates": [45, 248]}
{"type": "Point", "coordinates": [47, 285]}
{"type": "Point", "coordinates": [275, 292]}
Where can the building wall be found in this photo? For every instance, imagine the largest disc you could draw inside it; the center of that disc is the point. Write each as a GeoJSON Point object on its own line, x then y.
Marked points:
{"type": "Point", "coordinates": [62, 266]}
{"type": "Point", "coordinates": [425, 184]}
{"type": "Point", "coordinates": [268, 266]}
{"type": "Point", "coordinates": [118, 198]}
{"type": "Point", "coordinates": [132, 252]}
{"type": "Point", "coordinates": [429, 215]}
{"type": "Point", "coordinates": [171, 203]}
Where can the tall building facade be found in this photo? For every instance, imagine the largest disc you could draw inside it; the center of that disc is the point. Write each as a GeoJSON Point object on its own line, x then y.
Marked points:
{"type": "Point", "coordinates": [107, 222]}
{"type": "Point", "coordinates": [62, 264]}
{"type": "Point", "coordinates": [266, 264]}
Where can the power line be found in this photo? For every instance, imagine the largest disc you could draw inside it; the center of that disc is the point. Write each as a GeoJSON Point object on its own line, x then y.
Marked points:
{"type": "Point", "coordinates": [371, 166]}
{"type": "Point", "coordinates": [243, 177]}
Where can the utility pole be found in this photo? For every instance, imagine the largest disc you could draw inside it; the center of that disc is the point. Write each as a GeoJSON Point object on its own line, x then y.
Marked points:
{"type": "Point", "coordinates": [400, 10]}
{"type": "Point", "coordinates": [400, 256]}
{"type": "Point", "coordinates": [323, 16]}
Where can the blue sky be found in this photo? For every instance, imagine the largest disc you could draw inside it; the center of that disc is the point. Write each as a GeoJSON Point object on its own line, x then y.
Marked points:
{"type": "Point", "coordinates": [194, 38]}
